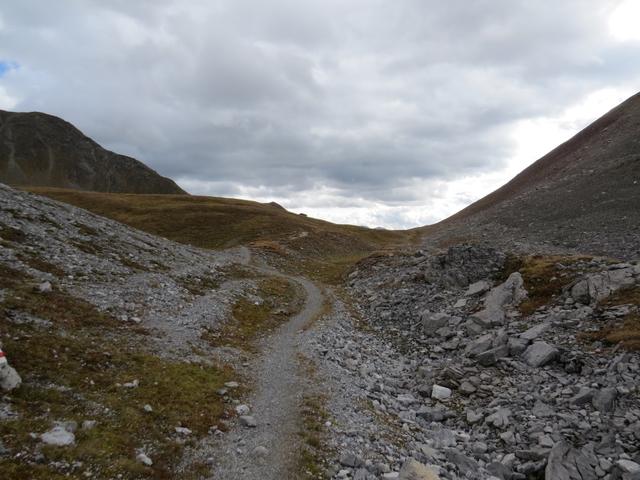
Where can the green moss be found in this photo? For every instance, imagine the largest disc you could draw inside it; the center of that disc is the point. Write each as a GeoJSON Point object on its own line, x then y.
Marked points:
{"type": "Point", "coordinates": [513, 263]}
{"type": "Point", "coordinates": [12, 470]}
{"type": "Point", "coordinates": [56, 306]}
{"type": "Point", "coordinates": [331, 269]}
{"type": "Point", "coordinates": [313, 453]}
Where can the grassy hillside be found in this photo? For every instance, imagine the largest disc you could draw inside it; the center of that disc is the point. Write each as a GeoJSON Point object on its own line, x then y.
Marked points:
{"type": "Point", "coordinates": [317, 247]}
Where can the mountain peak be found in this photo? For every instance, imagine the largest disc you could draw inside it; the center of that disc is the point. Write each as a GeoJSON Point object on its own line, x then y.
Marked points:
{"type": "Point", "coordinates": [39, 149]}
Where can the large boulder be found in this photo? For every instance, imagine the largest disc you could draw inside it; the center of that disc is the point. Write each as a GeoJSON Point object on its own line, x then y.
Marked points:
{"type": "Point", "coordinates": [540, 353]}
{"type": "Point", "coordinates": [535, 331]}
{"type": "Point", "coordinates": [480, 345]}
{"type": "Point", "coordinates": [59, 436]}
{"type": "Point", "coordinates": [477, 288]}
{"type": "Point", "coordinates": [414, 470]}
{"type": "Point", "coordinates": [508, 294]}
{"type": "Point", "coordinates": [568, 463]}
{"type": "Point", "coordinates": [431, 322]}
{"type": "Point", "coordinates": [491, 357]}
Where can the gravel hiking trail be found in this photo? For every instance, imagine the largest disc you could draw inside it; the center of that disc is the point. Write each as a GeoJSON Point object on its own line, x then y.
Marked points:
{"type": "Point", "coordinates": [277, 391]}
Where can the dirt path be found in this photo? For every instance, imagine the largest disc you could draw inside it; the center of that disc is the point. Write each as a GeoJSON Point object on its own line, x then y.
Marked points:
{"type": "Point", "coordinates": [278, 389]}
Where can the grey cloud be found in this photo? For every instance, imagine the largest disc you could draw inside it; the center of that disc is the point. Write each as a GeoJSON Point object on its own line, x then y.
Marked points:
{"type": "Point", "coordinates": [373, 100]}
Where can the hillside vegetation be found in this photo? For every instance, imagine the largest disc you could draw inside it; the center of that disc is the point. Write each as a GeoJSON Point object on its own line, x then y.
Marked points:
{"type": "Point", "coordinates": [316, 247]}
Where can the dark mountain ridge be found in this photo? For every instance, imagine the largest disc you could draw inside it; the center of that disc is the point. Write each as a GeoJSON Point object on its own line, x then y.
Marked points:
{"type": "Point", "coordinates": [38, 149]}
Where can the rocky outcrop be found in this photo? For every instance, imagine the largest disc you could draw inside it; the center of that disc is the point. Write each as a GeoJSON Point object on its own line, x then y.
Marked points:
{"type": "Point", "coordinates": [463, 265]}
{"type": "Point", "coordinates": [539, 354]}
{"type": "Point", "coordinates": [92, 313]}
{"type": "Point", "coordinates": [499, 299]}
{"type": "Point", "coordinates": [598, 286]}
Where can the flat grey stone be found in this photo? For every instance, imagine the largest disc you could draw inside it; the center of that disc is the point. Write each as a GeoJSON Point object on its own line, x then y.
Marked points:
{"type": "Point", "coordinates": [499, 419]}
{"type": "Point", "coordinates": [534, 332]}
{"type": "Point", "coordinates": [350, 460]}
{"type": "Point", "coordinates": [540, 354]}
{"type": "Point", "coordinates": [491, 357]}
{"type": "Point", "coordinates": [477, 288]}
{"type": "Point", "coordinates": [440, 393]}
{"type": "Point", "coordinates": [58, 436]}
{"type": "Point", "coordinates": [431, 322]}
{"type": "Point", "coordinates": [414, 470]}
{"type": "Point", "coordinates": [604, 400]}
{"type": "Point", "coordinates": [628, 466]}
{"type": "Point", "coordinates": [584, 396]}
{"type": "Point", "coordinates": [248, 421]}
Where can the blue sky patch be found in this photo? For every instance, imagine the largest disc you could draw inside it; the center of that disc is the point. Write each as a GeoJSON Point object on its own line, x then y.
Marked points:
{"type": "Point", "coordinates": [6, 65]}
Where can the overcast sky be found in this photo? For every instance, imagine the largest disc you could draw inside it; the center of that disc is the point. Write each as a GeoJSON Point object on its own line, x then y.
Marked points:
{"type": "Point", "coordinates": [382, 113]}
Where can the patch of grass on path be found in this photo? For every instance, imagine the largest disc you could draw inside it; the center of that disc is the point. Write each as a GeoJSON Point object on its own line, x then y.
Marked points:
{"type": "Point", "coordinates": [276, 300]}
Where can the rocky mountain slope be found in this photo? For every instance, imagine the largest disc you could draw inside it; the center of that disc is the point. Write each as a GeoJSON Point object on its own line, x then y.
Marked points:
{"type": "Point", "coordinates": [584, 195]}
{"type": "Point", "coordinates": [40, 149]}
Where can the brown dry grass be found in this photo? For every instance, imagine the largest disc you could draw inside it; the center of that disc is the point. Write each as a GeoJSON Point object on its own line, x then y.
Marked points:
{"type": "Point", "coordinates": [325, 252]}
{"type": "Point", "coordinates": [213, 222]}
